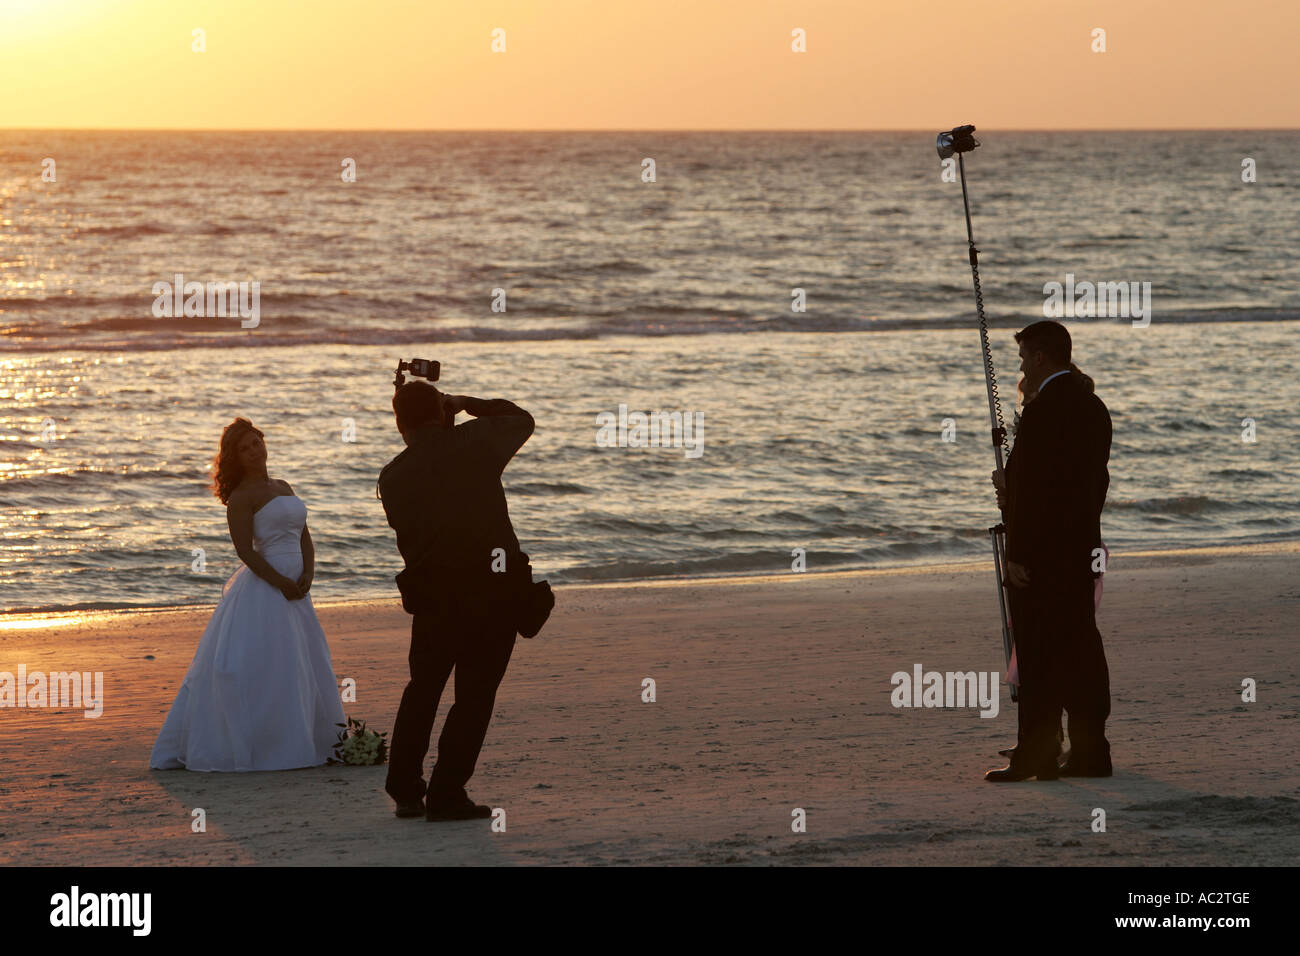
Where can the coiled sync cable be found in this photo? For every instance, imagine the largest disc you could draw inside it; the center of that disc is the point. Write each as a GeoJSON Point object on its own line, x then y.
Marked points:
{"type": "Point", "coordinates": [1000, 434]}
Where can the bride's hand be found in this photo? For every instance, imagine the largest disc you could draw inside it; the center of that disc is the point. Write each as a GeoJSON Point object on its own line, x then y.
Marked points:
{"type": "Point", "coordinates": [289, 588]}
{"type": "Point", "coordinates": [304, 582]}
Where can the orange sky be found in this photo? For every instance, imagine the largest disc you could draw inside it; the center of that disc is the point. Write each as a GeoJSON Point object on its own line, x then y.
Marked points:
{"type": "Point", "coordinates": [649, 64]}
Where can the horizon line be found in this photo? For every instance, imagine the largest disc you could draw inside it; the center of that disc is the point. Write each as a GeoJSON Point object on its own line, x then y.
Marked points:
{"type": "Point", "coordinates": [380, 129]}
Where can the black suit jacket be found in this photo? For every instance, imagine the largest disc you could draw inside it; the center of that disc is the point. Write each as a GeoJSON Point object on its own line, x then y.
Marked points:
{"type": "Point", "coordinates": [443, 494]}
{"type": "Point", "coordinates": [1057, 481]}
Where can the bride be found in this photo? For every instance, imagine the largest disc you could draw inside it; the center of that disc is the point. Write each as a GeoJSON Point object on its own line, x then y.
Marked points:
{"type": "Point", "coordinates": [260, 693]}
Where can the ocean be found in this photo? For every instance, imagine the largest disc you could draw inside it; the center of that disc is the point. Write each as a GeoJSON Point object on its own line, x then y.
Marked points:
{"type": "Point", "coordinates": [822, 430]}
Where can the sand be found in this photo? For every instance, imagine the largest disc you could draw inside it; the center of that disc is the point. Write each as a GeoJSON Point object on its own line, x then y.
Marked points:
{"type": "Point", "coordinates": [772, 694]}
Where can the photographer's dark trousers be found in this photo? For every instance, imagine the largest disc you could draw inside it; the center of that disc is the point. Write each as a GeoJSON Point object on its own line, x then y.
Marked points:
{"type": "Point", "coordinates": [1062, 665]}
{"type": "Point", "coordinates": [475, 638]}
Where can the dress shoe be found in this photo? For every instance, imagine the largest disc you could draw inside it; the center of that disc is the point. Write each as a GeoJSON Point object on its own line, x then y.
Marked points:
{"type": "Point", "coordinates": [1010, 753]}
{"type": "Point", "coordinates": [410, 808]}
{"type": "Point", "coordinates": [1044, 770]}
{"type": "Point", "coordinates": [458, 808]}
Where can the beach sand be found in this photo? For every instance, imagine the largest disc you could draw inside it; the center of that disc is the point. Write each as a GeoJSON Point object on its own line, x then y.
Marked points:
{"type": "Point", "coordinates": [772, 694]}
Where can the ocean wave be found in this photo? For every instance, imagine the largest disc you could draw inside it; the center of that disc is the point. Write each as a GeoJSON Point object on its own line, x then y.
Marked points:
{"type": "Point", "coordinates": [124, 232]}
{"type": "Point", "coordinates": [1179, 505]}
{"type": "Point", "coordinates": [153, 326]}
{"type": "Point", "coordinates": [775, 560]}
{"type": "Point", "coordinates": [549, 488]}
{"type": "Point", "coordinates": [72, 303]}
{"type": "Point", "coordinates": [1185, 425]}
{"type": "Point", "coordinates": [95, 478]}
{"type": "Point", "coordinates": [143, 229]}
{"type": "Point", "coordinates": [1102, 242]}
{"type": "Point", "coordinates": [761, 562]}
{"type": "Point", "coordinates": [291, 328]}
{"type": "Point", "coordinates": [56, 608]}
{"type": "Point", "coordinates": [616, 524]}
{"type": "Point", "coordinates": [1241, 473]}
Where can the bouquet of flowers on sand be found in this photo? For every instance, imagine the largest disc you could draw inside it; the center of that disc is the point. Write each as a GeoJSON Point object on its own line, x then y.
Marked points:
{"type": "Point", "coordinates": [358, 746]}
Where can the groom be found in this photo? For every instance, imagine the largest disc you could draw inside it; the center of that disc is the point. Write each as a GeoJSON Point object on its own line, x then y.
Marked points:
{"type": "Point", "coordinates": [1056, 487]}
{"type": "Point", "coordinates": [443, 497]}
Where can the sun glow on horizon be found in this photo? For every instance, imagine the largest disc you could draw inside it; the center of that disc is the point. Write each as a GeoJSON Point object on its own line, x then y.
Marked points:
{"type": "Point", "coordinates": [680, 64]}
{"type": "Point", "coordinates": [25, 20]}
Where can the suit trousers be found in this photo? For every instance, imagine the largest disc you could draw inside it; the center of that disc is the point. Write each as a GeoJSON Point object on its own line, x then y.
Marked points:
{"type": "Point", "coordinates": [475, 638]}
{"type": "Point", "coordinates": [1062, 666]}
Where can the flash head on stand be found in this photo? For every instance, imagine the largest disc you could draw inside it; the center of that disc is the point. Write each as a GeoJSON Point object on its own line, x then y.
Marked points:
{"type": "Point", "coordinates": [959, 140]}
{"type": "Point", "coordinates": [420, 368]}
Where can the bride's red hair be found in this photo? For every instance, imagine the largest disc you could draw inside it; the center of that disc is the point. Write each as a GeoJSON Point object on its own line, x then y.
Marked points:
{"type": "Point", "coordinates": [227, 472]}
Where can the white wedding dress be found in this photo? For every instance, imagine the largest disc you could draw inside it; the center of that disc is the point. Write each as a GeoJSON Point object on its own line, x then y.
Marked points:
{"type": "Point", "coordinates": [260, 693]}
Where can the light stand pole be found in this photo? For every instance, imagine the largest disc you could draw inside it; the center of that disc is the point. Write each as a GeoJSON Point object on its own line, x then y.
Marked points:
{"type": "Point", "coordinates": [958, 141]}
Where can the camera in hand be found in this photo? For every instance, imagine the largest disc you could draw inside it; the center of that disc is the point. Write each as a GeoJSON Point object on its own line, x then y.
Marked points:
{"type": "Point", "coordinates": [420, 368]}
{"type": "Point", "coordinates": [426, 369]}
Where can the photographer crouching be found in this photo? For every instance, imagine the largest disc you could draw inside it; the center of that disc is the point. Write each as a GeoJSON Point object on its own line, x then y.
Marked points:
{"type": "Point", "coordinates": [466, 582]}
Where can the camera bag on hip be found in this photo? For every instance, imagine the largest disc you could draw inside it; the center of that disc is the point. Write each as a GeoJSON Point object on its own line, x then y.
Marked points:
{"type": "Point", "coordinates": [534, 601]}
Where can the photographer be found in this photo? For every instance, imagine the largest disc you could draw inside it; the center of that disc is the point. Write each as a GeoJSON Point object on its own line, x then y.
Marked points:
{"type": "Point", "coordinates": [443, 497]}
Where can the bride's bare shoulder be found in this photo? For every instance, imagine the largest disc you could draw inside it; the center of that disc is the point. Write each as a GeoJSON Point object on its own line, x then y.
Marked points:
{"type": "Point", "coordinates": [239, 498]}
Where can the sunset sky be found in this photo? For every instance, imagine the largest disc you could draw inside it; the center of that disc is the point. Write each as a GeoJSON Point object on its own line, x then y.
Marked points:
{"type": "Point", "coordinates": [666, 64]}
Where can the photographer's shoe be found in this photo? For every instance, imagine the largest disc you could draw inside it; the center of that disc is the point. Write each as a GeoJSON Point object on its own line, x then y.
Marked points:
{"type": "Point", "coordinates": [1014, 774]}
{"type": "Point", "coordinates": [1022, 768]}
{"type": "Point", "coordinates": [1081, 767]}
{"type": "Point", "coordinates": [1089, 750]}
{"type": "Point", "coordinates": [413, 808]}
{"type": "Point", "coordinates": [458, 808]}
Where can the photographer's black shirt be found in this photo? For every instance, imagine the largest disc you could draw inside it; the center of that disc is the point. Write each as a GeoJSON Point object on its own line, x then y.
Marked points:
{"type": "Point", "coordinates": [443, 494]}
